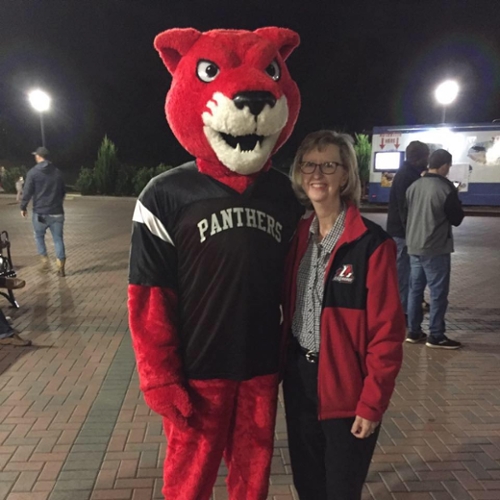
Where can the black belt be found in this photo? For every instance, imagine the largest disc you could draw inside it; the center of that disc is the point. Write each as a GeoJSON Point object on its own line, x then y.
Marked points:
{"type": "Point", "coordinates": [311, 356]}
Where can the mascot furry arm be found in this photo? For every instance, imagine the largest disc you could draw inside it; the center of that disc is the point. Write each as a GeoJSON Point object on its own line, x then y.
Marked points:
{"type": "Point", "coordinates": [232, 104]}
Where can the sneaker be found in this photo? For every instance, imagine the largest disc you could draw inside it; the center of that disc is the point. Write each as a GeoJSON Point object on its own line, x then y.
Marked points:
{"type": "Point", "coordinates": [445, 343]}
{"type": "Point", "coordinates": [15, 340]}
{"type": "Point", "coordinates": [415, 338]}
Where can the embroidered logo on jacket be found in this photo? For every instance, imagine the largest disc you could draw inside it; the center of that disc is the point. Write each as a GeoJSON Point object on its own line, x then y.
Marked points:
{"type": "Point", "coordinates": [344, 274]}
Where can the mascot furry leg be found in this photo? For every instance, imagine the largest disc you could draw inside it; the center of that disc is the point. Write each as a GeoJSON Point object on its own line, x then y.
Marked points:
{"type": "Point", "coordinates": [234, 420]}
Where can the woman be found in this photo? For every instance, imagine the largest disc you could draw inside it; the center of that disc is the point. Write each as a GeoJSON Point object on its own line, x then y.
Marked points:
{"type": "Point", "coordinates": [346, 321]}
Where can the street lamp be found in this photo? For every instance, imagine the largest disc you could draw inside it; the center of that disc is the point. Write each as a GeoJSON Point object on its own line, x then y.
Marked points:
{"type": "Point", "coordinates": [446, 93]}
{"type": "Point", "coordinates": [40, 101]}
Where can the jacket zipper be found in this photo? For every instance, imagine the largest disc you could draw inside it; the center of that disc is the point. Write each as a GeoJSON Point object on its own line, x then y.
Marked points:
{"type": "Point", "coordinates": [321, 314]}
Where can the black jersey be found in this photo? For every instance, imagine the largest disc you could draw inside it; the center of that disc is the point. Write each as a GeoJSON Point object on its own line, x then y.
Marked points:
{"type": "Point", "coordinates": [223, 253]}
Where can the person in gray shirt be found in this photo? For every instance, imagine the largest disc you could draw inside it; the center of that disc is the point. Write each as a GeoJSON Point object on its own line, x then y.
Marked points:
{"type": "Point", "coordinates": [433, 207]}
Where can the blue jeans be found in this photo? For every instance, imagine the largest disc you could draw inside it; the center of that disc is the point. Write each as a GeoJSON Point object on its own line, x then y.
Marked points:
{"type": "Point", "coordinates": [403, 266]}
{"type": "Point", "coordinates": [56, 224]}
{"type": "Point", "coordinates": [435, 273]}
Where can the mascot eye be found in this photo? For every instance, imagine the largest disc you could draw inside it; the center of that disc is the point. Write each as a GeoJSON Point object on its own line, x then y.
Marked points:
{"type": "Point", "coordinates": [207, 71]}
{"type": "Point", "coordinates": [273, 70]}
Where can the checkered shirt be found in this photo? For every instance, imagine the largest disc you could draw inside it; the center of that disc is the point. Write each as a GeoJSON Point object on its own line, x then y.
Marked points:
{"type": "Point", "coordinates": [310, 283]}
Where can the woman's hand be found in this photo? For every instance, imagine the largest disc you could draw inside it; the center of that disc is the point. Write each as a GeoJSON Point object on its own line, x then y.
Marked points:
{"type": "Point", "coordinates": [362, 428]}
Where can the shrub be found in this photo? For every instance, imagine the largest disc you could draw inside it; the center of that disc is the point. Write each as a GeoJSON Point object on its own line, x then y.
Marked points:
{"type": "Point", "coordinates": [363, 150]}
{"type": "Point", "coordinates": [86, 182]}
{"type": "Point", "coordinates": [124, 185]}
{"type": "Point", "coordinates": [145, 174]}
{"type": "Point", "coordinates": [106, 167]}
{"type": "Point", "coordinates": [109, 177]}
{"type": "Point", "coordinates": [141, 178]}
{"type": "Point", "coordinates": [159, 169]}
{"type": "Point", "coordinates": [11, 176]}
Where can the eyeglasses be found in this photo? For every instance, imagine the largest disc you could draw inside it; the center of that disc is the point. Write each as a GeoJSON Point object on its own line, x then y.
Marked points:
{"type": "Point", "coordinates": [326, 168]}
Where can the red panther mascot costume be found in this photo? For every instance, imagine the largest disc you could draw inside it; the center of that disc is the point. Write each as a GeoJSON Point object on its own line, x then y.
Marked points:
{"type": "Point", "coordinates": [209, 241]}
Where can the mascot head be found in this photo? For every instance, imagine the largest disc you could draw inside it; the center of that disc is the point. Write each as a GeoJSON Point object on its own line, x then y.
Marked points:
{"type": "Point", "coordinates": [232, 101]}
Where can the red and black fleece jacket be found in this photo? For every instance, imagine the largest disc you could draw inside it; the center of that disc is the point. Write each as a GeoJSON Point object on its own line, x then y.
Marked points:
{"type": "Point", "coordinates": [362, 321]}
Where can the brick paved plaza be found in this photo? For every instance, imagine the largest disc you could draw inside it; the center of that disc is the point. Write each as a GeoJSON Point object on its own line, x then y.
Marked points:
{"type": "Point", "coordinates": [73, 424]}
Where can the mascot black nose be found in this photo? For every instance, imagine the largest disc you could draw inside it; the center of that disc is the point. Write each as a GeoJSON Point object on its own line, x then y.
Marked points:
{"type": "Point", "coordinates": [254, 100]}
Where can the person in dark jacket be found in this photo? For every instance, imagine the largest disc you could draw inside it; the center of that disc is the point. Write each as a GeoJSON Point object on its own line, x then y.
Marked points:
{"type": "Point", "coordinates": [44, 183]}
{"type": "Point", "coordinates": [433, 207]}
{"type": "Point", "coordinates": [417, 158]}
{"type": "Point", "coordinates": [344, 322]}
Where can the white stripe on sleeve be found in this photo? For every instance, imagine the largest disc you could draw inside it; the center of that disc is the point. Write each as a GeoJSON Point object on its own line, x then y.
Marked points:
{"type": "Point", "coordinates": [144, 216]}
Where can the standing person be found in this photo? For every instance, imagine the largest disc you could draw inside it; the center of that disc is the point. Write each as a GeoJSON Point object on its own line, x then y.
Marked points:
{"type": "Point", "coordinates": [44, 183]}
{"type": "Point", "coordinates": [433, 207]}
{"type": "Point", "coordinates": [347, 324]}
{"type": "Point", "coordinates": [417, 158]}
{"type": "Point", "coordinates": [207, 260]}
{"type": "Point", "coordinates": [19, 188]}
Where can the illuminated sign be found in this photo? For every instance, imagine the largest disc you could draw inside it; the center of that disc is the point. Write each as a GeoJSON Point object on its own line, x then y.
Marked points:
{"type": "Point", "coordinates": [388, 161]}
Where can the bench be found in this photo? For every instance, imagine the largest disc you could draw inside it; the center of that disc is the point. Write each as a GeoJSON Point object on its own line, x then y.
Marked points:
{"type": "Point", "coordinates": [8, 275]}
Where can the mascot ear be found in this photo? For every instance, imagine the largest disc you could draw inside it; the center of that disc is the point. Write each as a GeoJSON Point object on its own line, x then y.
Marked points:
{"type": "Point", "coordinates": [285, 40]}
{"type": "Point", "coordinates": [174, 44]}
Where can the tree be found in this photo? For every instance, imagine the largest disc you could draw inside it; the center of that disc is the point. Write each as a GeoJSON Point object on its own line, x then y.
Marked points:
{"type": "Point", "coordinates": [111, 177]}
{"type": "Point", "coordinates": [86, 181]}
{"type": "Point", "coordinates": [363, 150]}
{"type": "Point", "coordinates": [106, 167]}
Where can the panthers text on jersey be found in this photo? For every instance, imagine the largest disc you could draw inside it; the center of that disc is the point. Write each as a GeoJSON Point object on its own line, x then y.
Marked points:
{"type": "Point", "coordinates": [223, 253]}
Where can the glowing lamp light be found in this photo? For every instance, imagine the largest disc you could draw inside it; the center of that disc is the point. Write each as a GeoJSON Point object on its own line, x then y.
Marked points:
{"type": "Point", "coordinates": [40, 100]}
{"type": "Point", "coordinates": [447, 92]}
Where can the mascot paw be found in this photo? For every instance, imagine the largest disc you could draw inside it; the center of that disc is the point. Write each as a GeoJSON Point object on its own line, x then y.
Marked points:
{"type": "Point", "coordinates": [172, 402]}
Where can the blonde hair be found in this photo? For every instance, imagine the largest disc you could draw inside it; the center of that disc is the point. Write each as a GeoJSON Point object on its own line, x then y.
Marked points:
{"type": "Point", "coordinates": [351, 190]}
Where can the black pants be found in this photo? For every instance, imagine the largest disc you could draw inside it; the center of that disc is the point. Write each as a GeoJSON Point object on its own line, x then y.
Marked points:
{"type": "Point", "coordinates": [5, 328]}
{"type": "Point", "coordinates": [328, 462]}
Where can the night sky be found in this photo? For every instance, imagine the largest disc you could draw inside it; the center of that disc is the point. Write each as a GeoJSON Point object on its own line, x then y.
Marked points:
{"type": "Point", "coordinates": [360, 64]}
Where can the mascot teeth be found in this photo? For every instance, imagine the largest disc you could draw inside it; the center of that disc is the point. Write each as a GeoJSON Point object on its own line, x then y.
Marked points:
{"type": "Point", "coordinates": [244, 142]}
{"type": "Point", "coordinates": [243, 145]}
